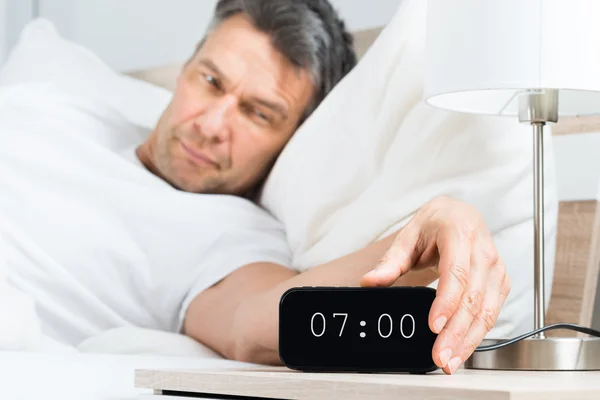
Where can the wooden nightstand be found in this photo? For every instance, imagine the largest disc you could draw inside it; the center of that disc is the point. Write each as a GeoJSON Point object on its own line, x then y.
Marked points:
{"type": "Point", "coordinates": [281, 383]}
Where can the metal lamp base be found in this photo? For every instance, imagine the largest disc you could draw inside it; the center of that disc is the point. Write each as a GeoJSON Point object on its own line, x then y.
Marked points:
{"type": "Point", "coordinates": [540, 354]}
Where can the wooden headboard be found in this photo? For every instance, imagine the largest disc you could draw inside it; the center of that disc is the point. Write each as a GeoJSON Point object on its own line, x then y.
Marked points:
{"type": "Point", "coordinates": [577, 264]}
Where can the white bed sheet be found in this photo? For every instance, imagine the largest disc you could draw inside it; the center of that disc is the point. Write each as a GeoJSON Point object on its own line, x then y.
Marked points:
{"type": "Point", "coordinates": [75, 376]}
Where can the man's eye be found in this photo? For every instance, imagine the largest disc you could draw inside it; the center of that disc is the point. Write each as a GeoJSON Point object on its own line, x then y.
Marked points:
{"type": "Point", "coordinates": [212, 81]}
{"type": "Point", "coordinates": [261, 115]}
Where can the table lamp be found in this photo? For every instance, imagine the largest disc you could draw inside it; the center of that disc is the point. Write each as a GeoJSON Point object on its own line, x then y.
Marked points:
{"type": "Point", "coordinates": [535, 60]}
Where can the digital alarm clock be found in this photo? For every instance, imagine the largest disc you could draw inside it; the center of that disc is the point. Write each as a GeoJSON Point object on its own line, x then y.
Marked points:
{"type": "Point", "coordinates": [331, 329]}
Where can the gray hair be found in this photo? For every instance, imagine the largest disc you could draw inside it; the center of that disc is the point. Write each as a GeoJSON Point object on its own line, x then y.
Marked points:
{"type": "Point", "coordinates": [309, 33]}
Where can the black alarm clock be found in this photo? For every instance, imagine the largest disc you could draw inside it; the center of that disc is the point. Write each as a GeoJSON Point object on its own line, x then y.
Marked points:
{"type": "Point", "coordinates": [337, 329]}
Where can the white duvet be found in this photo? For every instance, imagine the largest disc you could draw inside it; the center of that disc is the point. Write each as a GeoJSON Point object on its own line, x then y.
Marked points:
{"type": "Point", "coordinates": [20, 331]}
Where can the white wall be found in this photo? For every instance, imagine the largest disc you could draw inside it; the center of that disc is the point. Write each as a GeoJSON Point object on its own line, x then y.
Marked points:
{"type": "Point", "coordinates": [3, 32]}
{"type": "Point", "coordinates": [132, 34]}
{"type": "Point", "coordinates": [14, 14]}
{"type": "Point", "coordinates": [578, 166]}
{"type": "Point", "coordinates": [363, 14]}
{"type": "Point", "coordinates": [137, 34]}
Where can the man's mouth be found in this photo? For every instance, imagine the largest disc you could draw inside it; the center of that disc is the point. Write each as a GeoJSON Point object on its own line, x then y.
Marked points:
{"type": "Point", "coordinates": [198, 157]}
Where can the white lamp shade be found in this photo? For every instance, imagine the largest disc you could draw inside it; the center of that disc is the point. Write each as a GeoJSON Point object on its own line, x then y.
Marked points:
{"type": "Point", "coordinates": [482, 53]}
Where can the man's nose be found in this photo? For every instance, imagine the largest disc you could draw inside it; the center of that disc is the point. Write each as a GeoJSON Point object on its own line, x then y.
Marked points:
{"type": "Point", "coordinates": [214, 123]}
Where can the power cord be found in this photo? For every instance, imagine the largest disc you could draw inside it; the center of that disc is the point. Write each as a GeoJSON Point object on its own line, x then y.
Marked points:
{"type": "Point", "coordinates": [572, 327]}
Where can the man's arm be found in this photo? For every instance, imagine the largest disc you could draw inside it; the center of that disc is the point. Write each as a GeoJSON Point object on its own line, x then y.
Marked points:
{"type": "Point", "coordinates": [446, 238]}
{"type": "Point", "coordinates": [238, 317]}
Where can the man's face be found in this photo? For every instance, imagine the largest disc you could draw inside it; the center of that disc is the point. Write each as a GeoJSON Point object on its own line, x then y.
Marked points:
{"type": "Point", "coordinates": [236, 104]}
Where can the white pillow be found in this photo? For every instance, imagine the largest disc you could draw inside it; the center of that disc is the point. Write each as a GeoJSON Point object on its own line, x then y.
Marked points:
{"type": "Point", "coordinates": [42, 55]}
{"type": "Point", "coordinates": [374, 152]}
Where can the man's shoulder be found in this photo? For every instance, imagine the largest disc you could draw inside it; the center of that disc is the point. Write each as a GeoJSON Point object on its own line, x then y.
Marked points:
{"type": "Point", "coordinates": [241, 210]}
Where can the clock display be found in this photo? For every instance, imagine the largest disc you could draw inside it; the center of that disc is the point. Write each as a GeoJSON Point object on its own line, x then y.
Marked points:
{"type": "Point", "coordinates": [357, 329]}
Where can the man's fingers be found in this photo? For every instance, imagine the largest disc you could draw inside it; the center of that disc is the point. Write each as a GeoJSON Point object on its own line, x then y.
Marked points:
{"type": "Point", "coordinates": [454, 268]}
{"type": "Point", "coordinates": [397, 260]}
{"type": "Point", "coordinates": [497, 289]}
{"type": "Point", "coordinates": [469, 307]}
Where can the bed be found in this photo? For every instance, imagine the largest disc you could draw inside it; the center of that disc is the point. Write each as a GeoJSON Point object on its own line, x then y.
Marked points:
{"type": "Point", "coordinates": [89, 375]}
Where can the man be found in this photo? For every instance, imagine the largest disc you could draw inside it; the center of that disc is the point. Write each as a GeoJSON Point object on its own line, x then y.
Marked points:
{"type": "Point", "coordinates": [165, 237]}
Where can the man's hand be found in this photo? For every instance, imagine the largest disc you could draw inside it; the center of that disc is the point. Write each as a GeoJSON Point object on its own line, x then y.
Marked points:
{"type": "Point", "coordinates": [446, 239]}
{"type": "Point", "coordinates": [451, 238]}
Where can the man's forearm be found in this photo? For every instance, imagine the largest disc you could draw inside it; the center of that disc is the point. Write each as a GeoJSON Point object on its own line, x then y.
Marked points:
{"type": "Point", "coordinates": [256, 320]}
